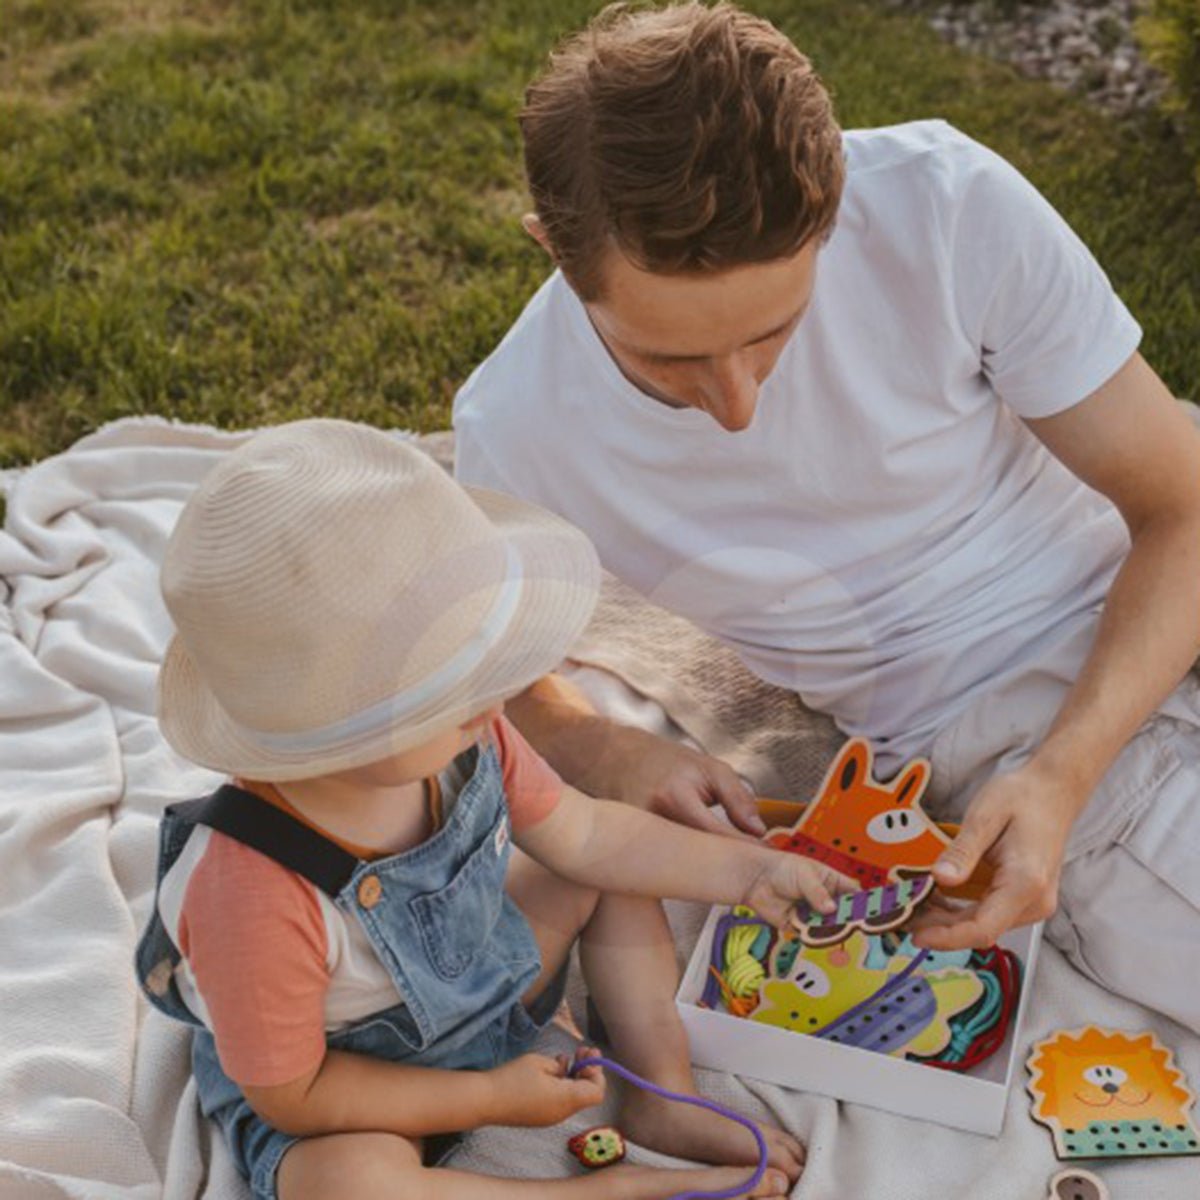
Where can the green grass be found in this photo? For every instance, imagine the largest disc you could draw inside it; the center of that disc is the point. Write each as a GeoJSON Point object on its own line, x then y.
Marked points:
{"type": "Point", "coordinates": [242, 211]}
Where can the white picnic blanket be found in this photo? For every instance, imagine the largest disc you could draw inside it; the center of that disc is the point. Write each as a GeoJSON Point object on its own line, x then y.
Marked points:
{"type": "Point", "coordinates": [95, 1095]}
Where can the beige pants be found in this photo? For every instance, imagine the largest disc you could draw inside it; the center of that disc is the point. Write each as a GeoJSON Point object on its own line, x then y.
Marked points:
{"type": "Point", "coordinates": [1129, 899]}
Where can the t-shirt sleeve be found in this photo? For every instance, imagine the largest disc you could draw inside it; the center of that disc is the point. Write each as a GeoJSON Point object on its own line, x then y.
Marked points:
{"type": "Point", "coordinates": [475, 463]}
{"type": "Point", "coordinates": [532, 785]}
{"type": "Point", "coordinates": [255, 941]}
{"type": "Point", "coordinates": [1049, 328]}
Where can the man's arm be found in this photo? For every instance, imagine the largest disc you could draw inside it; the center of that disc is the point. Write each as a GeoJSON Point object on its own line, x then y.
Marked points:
{"type": "Point", "coordinates": [1131, 441]}
{"type": "Point", "coordinates": [603, 758]}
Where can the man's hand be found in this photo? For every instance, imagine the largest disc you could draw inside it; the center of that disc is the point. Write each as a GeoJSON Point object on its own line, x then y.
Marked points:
{"type": "Point", "coordinates": [686, 786]}
{"type": "Point", "coordinates": [535, 1090]}
{"type": "Point", "coordinates": [1019, 823]}
{"type": "Point", "coordinates": [621, 762]}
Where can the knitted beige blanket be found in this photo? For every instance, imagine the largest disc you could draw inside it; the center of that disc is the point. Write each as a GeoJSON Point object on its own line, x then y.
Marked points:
{"type": "Point", "coordinates": [96, 1097]}
{"type": "Point", "coordinates": [765, 733]}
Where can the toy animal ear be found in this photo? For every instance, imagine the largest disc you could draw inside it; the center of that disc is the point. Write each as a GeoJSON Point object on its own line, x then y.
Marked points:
{"type": "Point", "coordinates": [852, 764]}
{"type": "Point", "coordinates": [911, 782]}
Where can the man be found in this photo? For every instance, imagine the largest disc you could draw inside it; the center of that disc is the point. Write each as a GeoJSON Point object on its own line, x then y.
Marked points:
{"type": "Point", "coordinates": [864, 407]}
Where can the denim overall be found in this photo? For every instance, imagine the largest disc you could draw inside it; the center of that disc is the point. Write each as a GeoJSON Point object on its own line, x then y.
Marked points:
{"type": "Point", "coordinates": [457, 948]}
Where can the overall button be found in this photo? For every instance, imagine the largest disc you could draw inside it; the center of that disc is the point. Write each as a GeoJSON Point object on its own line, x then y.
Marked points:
{"type": "Point", "coordinates": [370, 891]}
{"type": "Point", "coordinates": [158, 980]}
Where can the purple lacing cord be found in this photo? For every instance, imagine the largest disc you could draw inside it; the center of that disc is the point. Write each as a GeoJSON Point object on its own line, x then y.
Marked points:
{"type": "Point", "coordinates": [699, 1102]}
{"type": "Point", "coordinates": [875, 997]}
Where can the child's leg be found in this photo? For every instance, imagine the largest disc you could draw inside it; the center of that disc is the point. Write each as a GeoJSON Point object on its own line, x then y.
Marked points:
{"type": "Point", "coordinates": [383, 1166]}
{"type": "Point", "coordinates": [557, 911]}
{"type": "Point", "coordinates": [628, 959]}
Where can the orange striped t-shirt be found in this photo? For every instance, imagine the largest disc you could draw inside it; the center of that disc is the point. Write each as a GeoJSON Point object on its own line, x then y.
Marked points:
{"type": "Point", "coordinates": [270, 963]}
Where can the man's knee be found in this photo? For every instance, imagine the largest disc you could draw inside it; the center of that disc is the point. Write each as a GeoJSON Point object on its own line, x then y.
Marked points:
{"type": "Point", "coordinates": [1124, 925]}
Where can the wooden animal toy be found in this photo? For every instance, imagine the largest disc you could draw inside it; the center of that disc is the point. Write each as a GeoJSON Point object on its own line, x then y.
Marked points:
{"type": "Point", "coordinates": [873, 910]}
{"type": "Point", "coordinates": [1104, 1094]}
{"type": "Point", "coordinates": [897, 1015]}
{"type": "Point", "coordinates": [866, 830]}
{"type": "Point", "coordinates": [883, 948]}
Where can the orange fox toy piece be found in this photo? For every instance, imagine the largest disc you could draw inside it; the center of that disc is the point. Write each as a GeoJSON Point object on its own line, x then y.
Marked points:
{"type": "Point", "coordinates": [869, 831]}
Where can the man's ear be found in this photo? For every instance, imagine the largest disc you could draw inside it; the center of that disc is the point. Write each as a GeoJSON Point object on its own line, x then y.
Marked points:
{"type": "Point", "coordinates": [533, 226]}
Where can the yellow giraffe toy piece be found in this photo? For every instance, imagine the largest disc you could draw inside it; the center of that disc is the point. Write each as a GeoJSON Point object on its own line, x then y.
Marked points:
{"type": "Point", "coordinates": [825, 983]}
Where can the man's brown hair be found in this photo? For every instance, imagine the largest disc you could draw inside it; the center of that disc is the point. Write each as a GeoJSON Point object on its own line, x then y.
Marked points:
{"type": "Point", "coordinates": [692, 138]}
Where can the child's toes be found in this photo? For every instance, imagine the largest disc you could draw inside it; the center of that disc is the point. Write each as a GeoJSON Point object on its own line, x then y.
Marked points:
{"type": "Point", "coordinates": [773, 1183]}
{"type": "Point", "coordinates": [785, 1152]}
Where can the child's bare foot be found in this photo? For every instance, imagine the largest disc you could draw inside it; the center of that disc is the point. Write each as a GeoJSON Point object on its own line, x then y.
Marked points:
{"type": "Point", "coordinates": [685, 1131]}
{"type": "Point", "coordinates": [655, 1183]}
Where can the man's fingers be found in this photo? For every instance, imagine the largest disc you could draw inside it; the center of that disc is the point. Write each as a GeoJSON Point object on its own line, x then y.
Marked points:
{"type": "Point", "coordinates": [940, 917]}
{"type": "Point", "coordinates": [959, 860]}
{"type": "Point", "coordinates": [698, 815]}
{"type": "Point", "coordinates": [939, 901]}
{"type": "Point", "coordinates": [976, 926]}
{"type": "Point", "coordinates": [737, 798]}
{"type": "Point", "coordinates": [964, 934]}
{"type": "Point", "coordinates": [939, 910]}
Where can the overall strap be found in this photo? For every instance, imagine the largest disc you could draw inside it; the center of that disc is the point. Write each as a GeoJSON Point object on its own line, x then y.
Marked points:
{"type": "Point", "coordinates": [254, 822]}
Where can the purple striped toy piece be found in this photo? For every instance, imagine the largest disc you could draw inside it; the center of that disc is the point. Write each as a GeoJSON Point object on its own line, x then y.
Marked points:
{"type": "Point", "coordinates": [872, 910]}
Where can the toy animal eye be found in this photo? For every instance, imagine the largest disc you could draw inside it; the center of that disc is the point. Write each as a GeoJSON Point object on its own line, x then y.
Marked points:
{"type": "Point", "coordinates": [1101, 1074]}
{"type": "Point", "coordinates": [895, 825]}
{"type": "Point", "coordinates": [812, 981]}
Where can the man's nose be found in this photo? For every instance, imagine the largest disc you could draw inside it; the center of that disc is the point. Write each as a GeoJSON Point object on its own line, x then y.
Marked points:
{"type": "Point", "coordinates": [733, 391]}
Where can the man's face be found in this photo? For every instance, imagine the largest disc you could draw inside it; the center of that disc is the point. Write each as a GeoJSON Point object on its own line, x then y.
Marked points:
{"type": "Point", "coordinates": [703, 341]}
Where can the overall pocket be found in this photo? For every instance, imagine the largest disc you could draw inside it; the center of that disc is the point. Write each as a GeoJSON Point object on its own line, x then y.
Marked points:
{"type": "Point", "coordinates": [391, 1034]}
{"type": "Point", "coordinates": [457, 920]}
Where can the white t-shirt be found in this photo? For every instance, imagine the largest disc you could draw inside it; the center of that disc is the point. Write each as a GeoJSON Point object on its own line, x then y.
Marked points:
{"type": "Point", "coordinates": [887, 536]}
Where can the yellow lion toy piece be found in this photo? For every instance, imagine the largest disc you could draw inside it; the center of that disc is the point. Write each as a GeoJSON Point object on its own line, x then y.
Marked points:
{"type": "Point", "coordinates": [1111, 1095]}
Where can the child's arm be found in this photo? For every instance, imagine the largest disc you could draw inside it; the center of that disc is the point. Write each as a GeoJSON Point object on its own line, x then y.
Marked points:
{"type": "Point", "coordinates": [257, 947]}
{"type": "Point", "coordinates": [617, 848]}
{"type": "Point", "coordinates": [349, 1092]}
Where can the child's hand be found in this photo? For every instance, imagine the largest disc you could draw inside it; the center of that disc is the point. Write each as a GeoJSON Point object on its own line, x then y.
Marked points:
{"type": "Point", "coordinates": [787, 878]}
{"type": "Point", "coordinates": [535, 1090]}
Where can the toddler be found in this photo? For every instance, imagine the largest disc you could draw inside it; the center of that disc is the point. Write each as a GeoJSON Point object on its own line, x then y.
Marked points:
{"type": "Point", "coordinates": [370, 923]}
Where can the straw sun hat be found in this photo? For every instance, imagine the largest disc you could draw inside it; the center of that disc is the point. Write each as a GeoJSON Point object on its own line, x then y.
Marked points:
{"type": "Point", "coordinates": [338, 599]}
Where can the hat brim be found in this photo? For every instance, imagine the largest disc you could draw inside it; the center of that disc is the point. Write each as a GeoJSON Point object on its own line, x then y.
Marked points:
{"type": "Point", "coordinates": [560, 582]}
